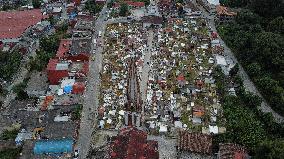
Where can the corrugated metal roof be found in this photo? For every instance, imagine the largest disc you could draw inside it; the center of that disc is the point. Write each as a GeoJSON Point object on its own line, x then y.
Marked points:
{"type": "Point", "coordinates": [14, 23]}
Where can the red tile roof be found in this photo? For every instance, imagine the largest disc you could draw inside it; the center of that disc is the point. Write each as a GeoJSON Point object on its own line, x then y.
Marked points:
{"type": "Point", "coordinates": [131, 3]}
{"type": "Point", "coordinates": [52, 64]}
{"type": "Point", "coordinates": [14, 23]}
{"type": "Point", "coordinates": [232, 151]}
{"type": "Point", "coordinates": [132, 143]}
{"type": "Point", "coordinates": [64, 47]}
{"type": "Point", "coordinates": [195, 142]}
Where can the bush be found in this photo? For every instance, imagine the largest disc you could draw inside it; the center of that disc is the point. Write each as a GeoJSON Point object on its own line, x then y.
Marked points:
{"type": "Point", "coordinates": [76, 113]}
{"type": "Point", "coordinates": [9, 134]}
{"type": "Point", "coordinates": [10, 153]}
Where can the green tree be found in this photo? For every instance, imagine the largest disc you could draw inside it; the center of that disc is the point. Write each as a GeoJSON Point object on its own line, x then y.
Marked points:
{"type": "Point", "coordinates": [123, 9]}
{"type": "Point", "coordinates": [254, 69]}
{"type": "Point", "coordinates": [36, 3]}
{"type": "Point", "coordinates": [270, 149]}
{"type": "Point", "coordinates": [10, 153]}
{"type": "Point", "coordinates": [266, 8]}
{"type": "Point", "coordinates": [234, 3]}
{"type": "Point", "coordinates": [276, 25]}
{"type": "Point", "coordinates": [110, 4]}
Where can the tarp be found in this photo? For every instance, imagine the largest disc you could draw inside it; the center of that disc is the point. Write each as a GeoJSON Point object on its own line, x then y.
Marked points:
{"type": "Point", "coordinates": [67, 89]}
{"type": "Point", "coordinates": [53, 146]}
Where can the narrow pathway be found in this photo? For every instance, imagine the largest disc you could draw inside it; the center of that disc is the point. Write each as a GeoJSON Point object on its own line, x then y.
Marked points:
{"type": "Point", "coordinates": [146, 69]}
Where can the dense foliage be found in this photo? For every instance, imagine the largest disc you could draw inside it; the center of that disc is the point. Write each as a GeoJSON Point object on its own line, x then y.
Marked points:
{"type": "Point", "coordinates": [258, 42]}
{"type": "Point", "coordinates": [123, 10]}
{"type": "Point", "coordinates": [92, 7]}
{"type": "Point", "coordinates": [9, 134]}
{"type": "Point", "coordinates": [11, 153]}
{"type": "Point", "coordinates": [245, 123]}
{"type": "Point", "coordinates": [36, 3]}
{"type": "Point", "coordinates": [9, 64]}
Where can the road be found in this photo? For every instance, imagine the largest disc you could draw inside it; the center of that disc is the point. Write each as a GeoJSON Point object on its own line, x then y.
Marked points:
{"type": "Point", "coordinates": [91, 102]}
{"type": "Point", "coordinates": [249, 85]}
{"type": "Point", "coordinates": [146, 69]}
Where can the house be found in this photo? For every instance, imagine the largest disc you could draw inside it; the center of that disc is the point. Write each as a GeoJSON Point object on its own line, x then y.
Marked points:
{"type": "Point", "coordinates": [57, 70]}
{"type": "Point", "coordinates": [194, 142]}
{"type": "Point", "coordinates": [232, 151]}
{"type": "Point", "coordinates": [14, 23]}
{"type": "Point", "coordinates": [152, 20]}
{"type": "Point", "coordinates": [81, 42]}
{"type": "Point", "coordinates": [132, 143]}
{"type": "Point", "coordinates": [224, 14]}
{"type": "Point", "coordinates": [63, 52]}
{"type": "Point", "coordinates": [131, 4]}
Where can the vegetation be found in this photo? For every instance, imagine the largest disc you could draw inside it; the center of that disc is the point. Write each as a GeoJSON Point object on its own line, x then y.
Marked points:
{"type": "Point", "coordinates": [245, 123]}
{"type": "Point", "coordinates": [123, 9]}
{"type": "Point", "coordinates": [11, 153]}
{"type": "Point", "coordinates": [110, 4]}
{"type": "Point", "coordinates": [48, 49]}
{"type": "Point", "coordinates": [92, 7]}
{"type": "Point", "coordinates": [76, 113]}
{"type": "Point", "coordinates": [9, 134]}
{"type": "Point", "coordinates": [256, 37]}
{"type": "Point", "coordinates": [20, 90]}
{"type": "Point", "coordinates": [9, 64]}
{"type": "Point", "coordinates": [36, 3]}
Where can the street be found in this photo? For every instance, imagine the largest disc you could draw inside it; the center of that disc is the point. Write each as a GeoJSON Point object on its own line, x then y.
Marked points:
{"type": "Point", "coordinates": [88, 119]}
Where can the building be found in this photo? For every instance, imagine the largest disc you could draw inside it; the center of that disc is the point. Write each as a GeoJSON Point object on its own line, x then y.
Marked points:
{"type": "Point", "coordinates": [152, 20]}
{"type": "Point", "coordinates": [195, 142]}
{"type": "Point", "coordinates": [232, 151]}
{"type": "Point", "coordinates": [191, 10]}
{"type": "Point", "coordinates": [131, 4]}
{"type": "Point", "coordinates": [81, 42]}
{"type": "Point", "coordinates": [224, 14]}
{"type": "Point", "coordinates": [63, 52]}
{"type": "Point", "coordinates": [14, 23]}
{"type": "Point", "coordinates": [57, 146]}
{"type": "Point", "coordinates": [132, 143]}
{"type": "Point", "coordinates": [57, 70]}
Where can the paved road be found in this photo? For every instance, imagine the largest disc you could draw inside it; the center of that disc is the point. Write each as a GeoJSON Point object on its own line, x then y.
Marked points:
{"type": "Point", "coordinates": [146, 69]}
{"type": "Point", "coordinates": [249, 85]}
{"type": "Point", "coordinates": [91, 102]}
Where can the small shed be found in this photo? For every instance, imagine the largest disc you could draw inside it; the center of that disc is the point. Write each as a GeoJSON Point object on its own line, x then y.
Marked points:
{"type": "Point", "coordinates": [56, 146]}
